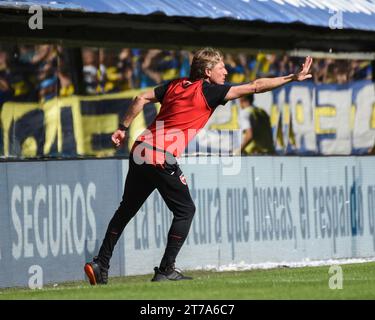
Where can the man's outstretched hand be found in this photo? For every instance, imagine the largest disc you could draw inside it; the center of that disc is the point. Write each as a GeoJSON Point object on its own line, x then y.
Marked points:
{"type": "Point", "coordinates": [304, 72]}
{"type": "Point", "coordinates": [118, 138]}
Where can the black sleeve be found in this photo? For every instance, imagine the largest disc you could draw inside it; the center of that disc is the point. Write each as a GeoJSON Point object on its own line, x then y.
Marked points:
{"type": "Point", "coordinates": [160, 91]}
{"type": "Point", "coordinates": [215, 93]}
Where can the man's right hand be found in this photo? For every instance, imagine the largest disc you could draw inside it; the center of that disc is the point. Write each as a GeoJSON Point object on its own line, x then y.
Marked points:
{"type": "Point", "coordinates": [118, 137]}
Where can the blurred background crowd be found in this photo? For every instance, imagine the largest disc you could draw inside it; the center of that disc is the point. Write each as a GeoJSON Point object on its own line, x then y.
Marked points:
{"type": "Point", "coordinates": [42, 72]}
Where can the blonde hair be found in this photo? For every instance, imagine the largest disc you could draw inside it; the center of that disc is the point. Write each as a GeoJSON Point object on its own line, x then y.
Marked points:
{"type": "Point", "coordinates": [203, 59]}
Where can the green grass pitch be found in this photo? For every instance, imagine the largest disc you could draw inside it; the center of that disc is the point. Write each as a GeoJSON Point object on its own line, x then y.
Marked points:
{"type": "Point", "coordinates": [279, 283]}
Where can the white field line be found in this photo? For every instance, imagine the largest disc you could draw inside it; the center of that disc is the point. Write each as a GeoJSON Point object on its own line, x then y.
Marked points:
{"type": "Point", "coordinates": [272, 265]}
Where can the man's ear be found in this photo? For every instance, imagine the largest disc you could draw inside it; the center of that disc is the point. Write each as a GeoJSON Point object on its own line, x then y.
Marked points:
{"type": "Point", "coordinates": [207, 72]}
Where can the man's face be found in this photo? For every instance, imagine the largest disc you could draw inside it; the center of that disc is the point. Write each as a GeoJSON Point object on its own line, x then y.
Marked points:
{"type": "Point", "coordinates": [217, 73]}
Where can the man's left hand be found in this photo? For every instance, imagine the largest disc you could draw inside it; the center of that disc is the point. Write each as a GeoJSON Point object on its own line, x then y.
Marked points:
{"type": "Point", "coordinates": [304, 73]}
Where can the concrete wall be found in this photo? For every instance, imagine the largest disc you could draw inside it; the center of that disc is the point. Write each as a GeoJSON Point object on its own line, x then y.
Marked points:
{"type": "Point", "coordinates": [53, 214]}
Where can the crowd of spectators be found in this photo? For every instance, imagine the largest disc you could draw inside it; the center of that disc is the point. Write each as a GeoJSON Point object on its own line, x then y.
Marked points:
{"type": "Point", "coordinates": [41, 72]}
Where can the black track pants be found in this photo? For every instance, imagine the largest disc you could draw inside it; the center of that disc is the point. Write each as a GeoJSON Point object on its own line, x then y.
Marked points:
{"type": "Point", "coordinates": [141, 180]}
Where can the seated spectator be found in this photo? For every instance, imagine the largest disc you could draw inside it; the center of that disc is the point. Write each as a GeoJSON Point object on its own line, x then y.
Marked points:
{"type": "Point", "coordinates": [263, 65]}
{"type": "Point", "coordinates": [318, 70]}
{"type": "Point", "coordinates": [23, 78]}
{"type": "Point", "coordinates": [109, 75]}
{"type": "Point", "coordinates": [136, 66]}
{"type": "Point", "coordinates": [5, 88]}
{"type": "Point", "coordinates": [262, 139]}
{"type": "Point", "coordinates": [246, 103]}
{"type": "Point", "coordinates": [149, 75]}
{"type": "Point", "coordinates": [329, 75]}
{"type": "Point", "coordinates": [341, 71]}
{"type": "Point", "coordinates": [360, 70]}
{"type": "Point", "coordinates": [167, 65]}
{"type": "Point", "coordinates": [45, 62]}
{"type": "Point", "coordinates": [26, 53]}
{"type": "Point", "coordinates": [43, 54]}
{"type": "Point", "coordinates": [185, 61]}
{"type": "Point", "coordinates": [90, 70]}
{"type": "Point", "coordinates": [125, 68]}
{"type": "Point", "coordinates": [66, 87]}
{"type": "Point", "coordinates": [236, 67]}
{"type": "Point", "coordinates": [48, 82]}
{"type": "Point", "coordinates": [273, 69]}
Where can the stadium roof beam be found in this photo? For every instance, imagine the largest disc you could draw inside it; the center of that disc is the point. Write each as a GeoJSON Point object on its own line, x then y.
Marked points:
{"type": "Point", "coordinates": [161, 31]}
